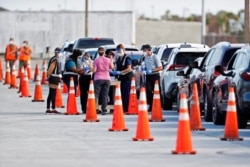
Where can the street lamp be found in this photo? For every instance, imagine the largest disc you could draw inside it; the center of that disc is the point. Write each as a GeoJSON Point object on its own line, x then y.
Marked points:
{"type": "Point", "coordinates": [86, 18]}
{"type": "Point", "coordinates": [203, 22]}
{"type": "Point", "coordinates": [246, 27]}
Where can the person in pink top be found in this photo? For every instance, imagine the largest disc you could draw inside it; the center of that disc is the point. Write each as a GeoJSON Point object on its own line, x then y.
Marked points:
{"type": "Point", "coordinates": [102, 66]}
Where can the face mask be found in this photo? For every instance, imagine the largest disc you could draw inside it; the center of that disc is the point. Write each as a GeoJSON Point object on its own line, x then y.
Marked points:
{"type": "Point", "coordinates": [24, 44]}
{"type": "Point", "coordinates": [11, 42]}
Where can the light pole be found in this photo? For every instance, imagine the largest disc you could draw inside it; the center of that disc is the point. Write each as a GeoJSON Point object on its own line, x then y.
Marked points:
{"type": "Point", "coordinates": [246, 27]}
{"type": "Point", "coordinates": [203, 22]}
{"type": "Point", "coordinates": [86, 18]}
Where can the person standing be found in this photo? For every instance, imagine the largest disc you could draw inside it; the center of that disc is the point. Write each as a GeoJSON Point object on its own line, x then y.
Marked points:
{"type": "Point", "coordinates": [124, 70]}
{"type": "Point", "coordinates": [84, 79]}
{"type": "Point", "coordinates": [24, 55]}
{"type": "Point", "coordinates": [102, 66]}
{"type": "Point", "coordinates": [71, 69]}
{"type": "Point", "coordinates": [11, 54]}
{"type": "Point", "coordinates": [54, 76]}
{"type": "Point", "coordinates": [152, 67]}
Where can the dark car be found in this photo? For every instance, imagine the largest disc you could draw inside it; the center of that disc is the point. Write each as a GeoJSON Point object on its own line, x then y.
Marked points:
{"type": "Point", "coordinates": [219, 54]}
{"type": "Point", "coordinates": [236, 75]}
{"type": "Point", "coordinates": [190, 76]}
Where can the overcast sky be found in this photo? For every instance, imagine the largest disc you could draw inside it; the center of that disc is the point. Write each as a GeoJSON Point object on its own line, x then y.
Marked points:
{"type": "Point", "coordinates": [150, 8]}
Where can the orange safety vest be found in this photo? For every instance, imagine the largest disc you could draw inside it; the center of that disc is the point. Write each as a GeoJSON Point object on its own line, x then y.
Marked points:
{"type": "Point", "coordinates": [11, 52]}
{"type": "Point", "coordinates": [25, 53]}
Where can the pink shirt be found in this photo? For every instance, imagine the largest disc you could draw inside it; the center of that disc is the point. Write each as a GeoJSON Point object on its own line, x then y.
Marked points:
{"type": "Point", "coordinates": [102, 65]}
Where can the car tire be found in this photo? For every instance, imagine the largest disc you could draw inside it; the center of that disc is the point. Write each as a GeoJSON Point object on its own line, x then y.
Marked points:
{"type": "Point", "coordinates": [167, 104]}
{"type": "Point", "coordinates": [207, 108]}
{"type": "Point", "coordinates": [217, 115]}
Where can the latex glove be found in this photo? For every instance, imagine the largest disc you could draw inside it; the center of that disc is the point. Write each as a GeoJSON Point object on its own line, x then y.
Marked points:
{"type": "Point", "coordinates": [86, 69]}
{"type": "Point", "coordinates": [116, 72]}
{"type": "Point", "coordinates": [149, 71]}
{"type": "Point", "coordinates": [143, 68]}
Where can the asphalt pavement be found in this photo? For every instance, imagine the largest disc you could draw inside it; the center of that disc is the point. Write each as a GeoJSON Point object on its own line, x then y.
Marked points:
{"type": "Point", "coordinates": [29, 137]}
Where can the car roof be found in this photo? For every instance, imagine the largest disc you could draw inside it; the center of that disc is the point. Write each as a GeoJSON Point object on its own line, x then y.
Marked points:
{"type": "Point", "coordinates": [174, 45]}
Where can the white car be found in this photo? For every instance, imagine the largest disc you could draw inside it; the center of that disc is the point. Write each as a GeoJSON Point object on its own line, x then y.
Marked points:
{"type": "Point", "coordinates": [178, 59]}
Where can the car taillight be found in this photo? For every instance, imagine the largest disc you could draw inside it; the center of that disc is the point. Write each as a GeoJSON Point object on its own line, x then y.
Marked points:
{"type": "Point", "coordinates": [175, 67]}
{"type": "Point", "coordinates": [245, 75]}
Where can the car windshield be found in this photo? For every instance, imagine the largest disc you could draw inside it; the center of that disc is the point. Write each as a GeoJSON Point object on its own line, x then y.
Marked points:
{"type": "Point", "coordinates": [185, 58]}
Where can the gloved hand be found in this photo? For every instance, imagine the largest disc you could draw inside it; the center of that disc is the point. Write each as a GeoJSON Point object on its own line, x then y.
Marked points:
{"type": "Point", "coordinates": [86, 69]}
{"type": "Point", "coordinates": [116, 72]}
{"type": "Point", "coordinates": [149, 71]}
{"type": "Point", "coordinates": [143, 68]}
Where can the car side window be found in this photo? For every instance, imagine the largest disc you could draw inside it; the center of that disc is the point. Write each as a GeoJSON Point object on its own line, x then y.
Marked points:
{"type": "Point", "coordinates": [208, 56]}
{"type": "Point", "coordinates": [237, 61]}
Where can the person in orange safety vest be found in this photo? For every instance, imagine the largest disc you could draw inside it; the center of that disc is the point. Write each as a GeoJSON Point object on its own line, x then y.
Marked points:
{"type": "Point", "coordinates": [24, 55]}
{"type": "Point", "coordinates": [11, 54]}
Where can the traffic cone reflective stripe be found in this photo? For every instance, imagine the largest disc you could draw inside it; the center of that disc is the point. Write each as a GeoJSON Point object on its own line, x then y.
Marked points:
{"type": "Point", "coordinates": [231, 124]}
{"type": "Point", "coordinates": [13, 83]}
{"type": "Point", "coordinates": [118, 123]}
{"type": "Point", "coordinates": [143, 129]}
{"type": "Point", "coordinates": [44, 74]}
{"type": "Point", "coordinates": [133, 103]}
{"type": "Point", "coordinates": [195, 116]}
{"type": "Point", "coordinates": [91, 115]}
{"type": "Point", "coordinates": [25, 86]}
{"type": "Point", "coordinates": [71, 102]}
{"type": "Point", "coordinates": [59, 101]}
{"type": "Point", "coordinates": [156, 106]}
{"type": "Point", "coordinates": [7, 75]}
{"type": "Point", "coordinates": [38, 95]}
{"type": "Point", "coordinates": [184, 139]}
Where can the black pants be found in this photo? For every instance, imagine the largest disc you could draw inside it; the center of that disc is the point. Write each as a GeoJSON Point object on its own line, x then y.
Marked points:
{"type": "Point", "coordinates": [84, 82]}
{"type": "Point", "coordinates": [125, 92]}
{"type": "Point", "coordinates": [150, 84]}
{"type": "Point", "coordinates": [51, 98]}
{"type": "Point", "coordinates": [66, 80]}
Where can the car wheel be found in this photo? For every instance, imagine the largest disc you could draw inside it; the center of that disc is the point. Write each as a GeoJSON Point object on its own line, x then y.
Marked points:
{"type": "Point", "coordinates": [167, 103]}
{"type": "Point", "coordinates": [217, 115]}
{"type": "Point", "coordinates": [207, 108]}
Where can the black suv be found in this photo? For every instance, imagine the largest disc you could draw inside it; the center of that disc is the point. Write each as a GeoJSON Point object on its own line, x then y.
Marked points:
{"type": "Point", "coordinates": [236, 75]}
{"type": "Point", "coordinates": [219, 54]}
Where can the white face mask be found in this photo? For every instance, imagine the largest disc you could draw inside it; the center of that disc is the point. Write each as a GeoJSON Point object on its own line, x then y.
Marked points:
{"type": "Point", "coordinates": [11, 42]}
{"type": "Point", "coordinates": [24, 44]}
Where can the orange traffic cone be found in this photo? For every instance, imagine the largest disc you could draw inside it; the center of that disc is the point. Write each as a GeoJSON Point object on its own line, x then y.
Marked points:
{"type": "Point", "coordinates": [37, 72]}
{"type": "Point", "coordinates": [7, 75]}
{"type": "Point", "coordinates": [91, 115]}
{"type": "Point", "coordinates": [78, 91]}
{"type": "Point", "coordinates": [59, 101]}
{"type": "Point", "coordinates": [38, 95]}
{"type": "Point", "coordinates": [25, 85]}
{"type": "Point", "coordinates": [65, 88]}
{"type": "Point", "coordinates": [44, 74]}
{"type": "Point", "coordinates": [184, 139]}
{"type": "Point", "coordinates": [21, 75]}
{"type": "Point", "coordinates": [1, 71]}
{"type": "Point", "coordinates": [13, 83]}
{"type": "Point", "coordinates": [231, 125]}
{"type": "Point", "coordinates": [118, 123]}
{"type": "Point", "coordinates": [71, 102]}
{"type": "Point", "coordinates": [133, 103]}
{"type": "Point", "coordinates": [156, 106]}
{"type": "Point", "coordinates": [143, 129]}
{"type": "Point", "coordinates": [195, 114]}
{"type": "Point", "coordinates": [29, 69]}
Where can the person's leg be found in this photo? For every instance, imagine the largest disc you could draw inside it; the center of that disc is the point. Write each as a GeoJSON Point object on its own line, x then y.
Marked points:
{"type": "Point", "coordinates": [105, 90]}
{"type": "Point", "coordinates": [84, 82]}
{"type": "Point", "coordinates": [48, 101]}
{"type": "Point", "coordinates": [125, 92]}
{"type": "Point", "coordinates": [97, 89]}
{"type": "Point", "coordinates": [149, 91]}
{"type": "Point", "coordinates": [53, 98]}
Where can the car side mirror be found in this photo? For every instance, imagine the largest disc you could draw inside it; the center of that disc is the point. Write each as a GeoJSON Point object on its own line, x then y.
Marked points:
{"type": "Point", "coordinates": [180, 73]}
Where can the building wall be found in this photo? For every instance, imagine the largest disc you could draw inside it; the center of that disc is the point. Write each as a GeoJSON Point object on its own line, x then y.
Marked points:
{"type": "Point", "coordinates": [52, 29]}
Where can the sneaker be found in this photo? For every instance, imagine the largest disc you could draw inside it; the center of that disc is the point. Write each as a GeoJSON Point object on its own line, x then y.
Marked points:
{"type": "Point", "coordinates": [55, 112]}
{"type": "Point", "coordinates": [48, 111]}
{"type": "Point", "coordinates": [104, 112]}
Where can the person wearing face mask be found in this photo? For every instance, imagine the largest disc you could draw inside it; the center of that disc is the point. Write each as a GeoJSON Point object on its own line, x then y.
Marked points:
{"type": "Point", "coordinates": [11, 54]}
{"type": "Point", "coordinates": [152, 67]}
{"type": "Point", "coordinates": [102, 66]}
{"type": "Point", "coordinates": [25, 55]}
{"type": "Point", "coordinates": [125, 74]}
{"type": "Point", "coordinates": [84, 79]}
{"type": "Point", "coordinates": [71, 69]}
